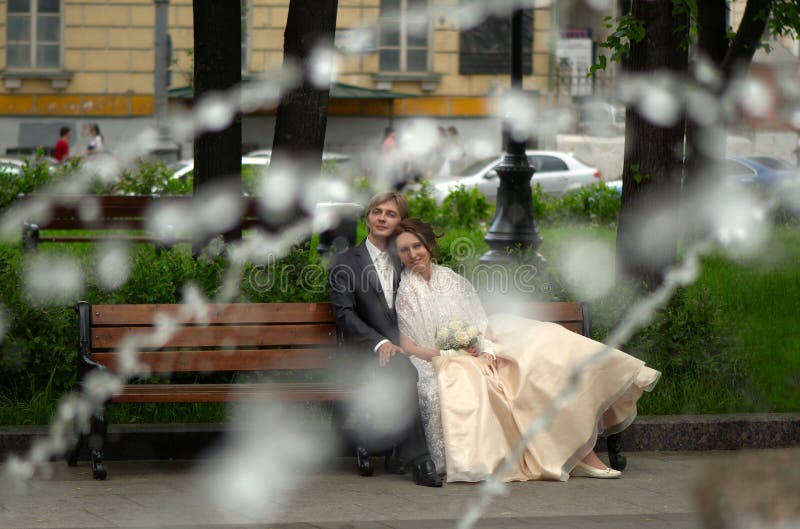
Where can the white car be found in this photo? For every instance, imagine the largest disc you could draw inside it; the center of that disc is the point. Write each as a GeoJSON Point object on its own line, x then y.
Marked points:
{"type": "Point", "coordinates": [257, 160]}
{"type": "Point", "coordinates": [557, 173]}
{"type": "Point", "coordinates": [11, 167]}
{"type": "Point", "coordinates": [185, 167]}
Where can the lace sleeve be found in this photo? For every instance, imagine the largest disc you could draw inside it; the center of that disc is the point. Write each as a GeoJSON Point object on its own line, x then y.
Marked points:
{"type": "Point", "coordinates": [410, 311]}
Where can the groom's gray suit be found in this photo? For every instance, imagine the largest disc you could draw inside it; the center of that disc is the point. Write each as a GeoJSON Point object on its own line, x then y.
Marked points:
{"type": "Point", "coordinates": [364, 318]}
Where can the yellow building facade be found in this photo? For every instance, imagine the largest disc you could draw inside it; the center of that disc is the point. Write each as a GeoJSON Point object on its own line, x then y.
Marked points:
{"type": "Point", "coordinates": [95, 58]}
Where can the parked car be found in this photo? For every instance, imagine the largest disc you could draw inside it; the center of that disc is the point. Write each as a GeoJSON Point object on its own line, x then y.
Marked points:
{"type": "Point", "coordinates": [184, 168]}
{"type": "Point", "coordinates": [616, 185]}
{"type": "Point", "coordinates": [557, 173]}
{"type": "Point", "coordinates": [765, 171]}
{"type": "Point", "coordinates": [258, 160]}
{"type": "Point", "coordinates": [326, 156]}
{"type": "Point", "coordinates": [11, 167]}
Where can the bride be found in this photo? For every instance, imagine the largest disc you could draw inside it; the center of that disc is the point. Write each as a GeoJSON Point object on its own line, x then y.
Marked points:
{"type": "Point", "coordinates": [478, 401]}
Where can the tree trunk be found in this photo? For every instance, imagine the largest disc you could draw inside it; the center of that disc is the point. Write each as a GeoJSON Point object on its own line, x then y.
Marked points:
{"type": "Point", "coordinates": [303, 113]}
{"type": "Point", "coordinates": [703, 158]}
{"type": "Point", "coordinates": [652, 153]}
{"type": "Point", "coordinates": [706, 152]}
{"type": "Point", "coordinates": [217, 67]}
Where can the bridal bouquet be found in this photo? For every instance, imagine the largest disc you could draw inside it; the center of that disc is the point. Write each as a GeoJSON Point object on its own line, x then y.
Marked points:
{"type": "Point", "coordinates": [456, 334]}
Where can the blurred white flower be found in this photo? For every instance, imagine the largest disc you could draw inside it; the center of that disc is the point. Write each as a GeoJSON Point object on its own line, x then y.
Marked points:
{"type": "Point", "coordinates": [52, 279]}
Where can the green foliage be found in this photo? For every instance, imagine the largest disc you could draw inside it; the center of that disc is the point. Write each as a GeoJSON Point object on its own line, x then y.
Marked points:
{"type": "Point", "coordinates": [596, 203]}
{"type": "Point", "coordinates": [421, 203]}
{"type": "Point", "coordinates": [36, 173]}
{"type": "Point", "coordinates": [251, 179]}
{"type": "Point", "coordinates": [686, 10]}
{"type": "Point", "coordinates": [785, 18]}
{"type": "Point", "coordinates": [465, 208]}
{"type": "Point", "coordinates": [628, 29]}
{"type": "Point", "coordinates": [151, 178]}
{"type": "Point", "coordinates": [691, 341]}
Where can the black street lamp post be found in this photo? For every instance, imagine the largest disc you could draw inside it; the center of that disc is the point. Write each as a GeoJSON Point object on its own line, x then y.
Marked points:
{"type": "Point", "coordinates": [513, 226]}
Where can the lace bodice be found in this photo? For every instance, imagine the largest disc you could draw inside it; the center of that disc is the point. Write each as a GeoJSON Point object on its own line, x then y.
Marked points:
{"type": "Point", "coordinates": [421, 307]}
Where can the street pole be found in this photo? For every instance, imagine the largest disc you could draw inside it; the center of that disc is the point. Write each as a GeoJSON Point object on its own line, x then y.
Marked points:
{"type": "Point", "coordinates": [166, 150]}
{"type": "Point", "coordinates": [513, 226]}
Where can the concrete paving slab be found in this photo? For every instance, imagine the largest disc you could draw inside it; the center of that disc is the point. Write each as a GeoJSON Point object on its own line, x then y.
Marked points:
{"type": "Point", "coordinates": [653, 493]}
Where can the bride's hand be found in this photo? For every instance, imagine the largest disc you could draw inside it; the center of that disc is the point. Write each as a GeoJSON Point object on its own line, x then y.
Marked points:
{"type": "Point", "coordinates": [490, 361]}
{"type": "Point", "coordinates": [472, 350]}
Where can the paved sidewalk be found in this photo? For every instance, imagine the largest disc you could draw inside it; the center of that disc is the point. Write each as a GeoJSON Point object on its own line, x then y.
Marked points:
{"type": "Point", "coordinates": [653, 493]}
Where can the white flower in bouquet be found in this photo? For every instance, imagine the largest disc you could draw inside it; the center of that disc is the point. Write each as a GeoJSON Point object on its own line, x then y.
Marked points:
{"type": "Point", "coordinates": [456, 334]}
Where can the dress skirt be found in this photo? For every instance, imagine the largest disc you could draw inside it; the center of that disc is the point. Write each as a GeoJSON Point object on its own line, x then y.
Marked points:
{"type": "Point", "coordinates": [485, 413]}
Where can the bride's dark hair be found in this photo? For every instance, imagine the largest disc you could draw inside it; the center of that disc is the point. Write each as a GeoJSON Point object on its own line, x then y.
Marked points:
{"type": "Point", "coordinates": [421, 230]}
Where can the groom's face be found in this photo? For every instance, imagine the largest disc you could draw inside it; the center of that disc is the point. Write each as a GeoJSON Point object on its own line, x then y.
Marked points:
{"type": "Point", "coordinates": [383, 219]}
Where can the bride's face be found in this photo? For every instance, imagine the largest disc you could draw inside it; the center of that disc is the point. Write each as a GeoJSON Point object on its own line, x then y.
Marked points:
{"type": "Point", "coordinates": [413, 254]}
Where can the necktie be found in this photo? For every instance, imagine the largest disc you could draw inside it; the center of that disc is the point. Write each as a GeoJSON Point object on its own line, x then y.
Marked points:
{"type": "Point", "coordinates": [384, 267]}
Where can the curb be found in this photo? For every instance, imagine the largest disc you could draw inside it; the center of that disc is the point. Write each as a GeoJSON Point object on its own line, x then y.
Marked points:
{"type": "Point", "coordinates": [655, 433]}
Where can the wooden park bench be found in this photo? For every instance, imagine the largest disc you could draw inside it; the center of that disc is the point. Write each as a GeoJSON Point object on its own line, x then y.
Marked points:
{"type": "Point", "coordinates": [233, 338]}
{"type": "Point", "coordinates": [117, 218]}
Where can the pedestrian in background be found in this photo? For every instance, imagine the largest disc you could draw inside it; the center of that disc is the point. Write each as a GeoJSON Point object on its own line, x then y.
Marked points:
{"type": "Point", "coordinates": [61, 151]}
{"type": "Point", "coordinates": [96, 143]}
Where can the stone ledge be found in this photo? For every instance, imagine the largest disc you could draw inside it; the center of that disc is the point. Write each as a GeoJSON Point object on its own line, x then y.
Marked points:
{"type": "Point", "coordinates": [649, 433]}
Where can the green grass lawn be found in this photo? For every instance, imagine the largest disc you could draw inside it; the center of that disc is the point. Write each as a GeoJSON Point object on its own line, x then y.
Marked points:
{"type": "Point", "coordinates": [733, 343]}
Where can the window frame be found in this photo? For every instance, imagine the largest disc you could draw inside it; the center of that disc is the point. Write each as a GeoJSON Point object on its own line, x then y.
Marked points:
{"type": "Point", "coordinates": [33, 42]}
{"type": "Point", "coordinates": [402, 46]}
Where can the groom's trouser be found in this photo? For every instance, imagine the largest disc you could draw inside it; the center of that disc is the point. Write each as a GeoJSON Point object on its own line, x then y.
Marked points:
{"type": "Point", "coordinates": [386, 413]}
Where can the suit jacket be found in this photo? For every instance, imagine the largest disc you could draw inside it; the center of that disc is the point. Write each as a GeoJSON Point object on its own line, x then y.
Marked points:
{"type": "Point", "coordinates": [362, 315]}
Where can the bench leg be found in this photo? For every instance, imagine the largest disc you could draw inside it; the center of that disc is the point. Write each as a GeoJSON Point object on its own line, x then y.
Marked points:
{"type": "Point", "coordinates": [97, 441]}
{"type": "Point", "coordinates": [615, 457]}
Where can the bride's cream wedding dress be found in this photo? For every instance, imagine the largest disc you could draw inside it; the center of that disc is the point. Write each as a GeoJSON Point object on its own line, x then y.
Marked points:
{"type": "Point", "coordinates": [473, 417]}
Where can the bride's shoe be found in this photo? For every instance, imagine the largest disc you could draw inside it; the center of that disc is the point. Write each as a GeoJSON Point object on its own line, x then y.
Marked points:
{"type": "Point", "coordinates": [583, 470]}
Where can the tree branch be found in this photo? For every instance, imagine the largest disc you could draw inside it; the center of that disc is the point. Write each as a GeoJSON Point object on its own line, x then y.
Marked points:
{"type": "Point", "coordinates": [751, 31]}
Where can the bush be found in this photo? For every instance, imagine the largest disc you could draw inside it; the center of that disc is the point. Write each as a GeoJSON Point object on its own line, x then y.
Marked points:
{"type": "Point", "coordinates": [595, 203]}
{"type": "Point", "coordinates": [36, 173]}
{"type": "Point", "coordinates": [39, 348]}
{"type": "Point", "coordinates": [693, 345]}
{"type": "Point", "coordinates": [151, 178]}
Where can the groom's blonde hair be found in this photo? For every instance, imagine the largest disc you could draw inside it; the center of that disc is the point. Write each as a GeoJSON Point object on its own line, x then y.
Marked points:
{"type": "Point", "coordinates": [399, 199]}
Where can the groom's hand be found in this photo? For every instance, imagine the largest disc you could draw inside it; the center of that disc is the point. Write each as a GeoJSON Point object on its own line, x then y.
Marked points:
{"type": "Point", "coordinates": [386, 352]}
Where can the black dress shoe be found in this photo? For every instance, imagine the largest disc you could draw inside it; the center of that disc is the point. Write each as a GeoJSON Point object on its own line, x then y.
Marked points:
{"type": "Point", "coordinates": [362, 460]}
{"type": "Point", "coordinates": [394, 464]}
{"type": "Point", "coordinates": [615, 457]}
{"type": "Point", "coordinates": [425, 474]}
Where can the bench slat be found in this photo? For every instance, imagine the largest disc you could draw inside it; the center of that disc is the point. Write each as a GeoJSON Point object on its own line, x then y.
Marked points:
{"type": "Point", "coordinates": [225, 336]}
{"type": "Point", "coordinates": [239, 360]}
{"type": "Point", "coordinates": [311, 391]}
{"type": "Point", "coordinates": [217, 314]}
{"type": "Point", "coordinates": [556, 311]}
{"type": "Point", "coordinates": [107, 237]}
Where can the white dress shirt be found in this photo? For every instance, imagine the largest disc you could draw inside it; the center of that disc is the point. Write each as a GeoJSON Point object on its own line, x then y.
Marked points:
{"type": "Point", "coordinates": [383, 265]}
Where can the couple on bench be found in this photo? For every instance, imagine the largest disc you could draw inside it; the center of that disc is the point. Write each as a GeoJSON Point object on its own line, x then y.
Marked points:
{"type": "Point", "coordinates": [452, 390]}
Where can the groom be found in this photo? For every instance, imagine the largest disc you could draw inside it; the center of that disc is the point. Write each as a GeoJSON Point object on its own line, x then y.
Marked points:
{"type": "Point", "coordinates": [363, 283]}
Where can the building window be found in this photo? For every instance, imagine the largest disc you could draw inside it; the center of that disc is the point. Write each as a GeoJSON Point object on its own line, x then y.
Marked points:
{"type": "Point", "coordinates": [33, 33]}
{"type": "Point", "coordinates": [486, 48]}
{"type": "Point", "coordinates": [403, 36]}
